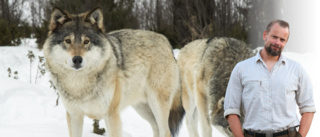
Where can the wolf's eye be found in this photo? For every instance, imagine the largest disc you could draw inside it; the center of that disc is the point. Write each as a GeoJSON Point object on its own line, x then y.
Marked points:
{"type": "Point", "coordinates": [86, 41]}
{"type": "Point", "coordinates": [68, 41]}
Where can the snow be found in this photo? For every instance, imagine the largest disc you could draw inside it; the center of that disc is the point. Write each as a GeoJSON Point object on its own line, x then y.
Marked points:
{"type": "Point", "coordinates": [29, 109]}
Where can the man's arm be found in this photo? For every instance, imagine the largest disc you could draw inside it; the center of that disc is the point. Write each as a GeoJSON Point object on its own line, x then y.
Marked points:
{"type": "Point", "coordinates": [235, 125]}
{"type": "Point", "coordinates": [305, 101]}
{"type": "Point", "coordinates": [232, 102]}
{"type": "Point", "coordinates": [305, 123]}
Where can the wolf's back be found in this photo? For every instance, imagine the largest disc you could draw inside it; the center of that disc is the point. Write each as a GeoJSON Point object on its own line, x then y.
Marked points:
{"type": "Point", "coordinates": [219, 59]}
{"type": "Point", "coordinates": [143, 42]}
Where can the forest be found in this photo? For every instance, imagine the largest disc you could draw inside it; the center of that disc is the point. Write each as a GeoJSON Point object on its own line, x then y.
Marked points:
{"type": "Point", "coordinates": [181, 21]}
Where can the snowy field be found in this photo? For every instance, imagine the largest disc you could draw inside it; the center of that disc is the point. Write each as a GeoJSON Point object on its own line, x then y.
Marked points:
{"type": "Point", "coordinates": [29, 109]}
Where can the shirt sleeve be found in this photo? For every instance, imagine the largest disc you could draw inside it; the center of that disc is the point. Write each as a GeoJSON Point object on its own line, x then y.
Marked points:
{"type": "Point", "coordinates": [232, 102]}
{"type": "Point", "coordinates": [304, 94]}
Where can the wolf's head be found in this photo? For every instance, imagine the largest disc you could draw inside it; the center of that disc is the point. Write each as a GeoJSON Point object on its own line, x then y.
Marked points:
{"type": "Point", "coordinates": [76, 41]}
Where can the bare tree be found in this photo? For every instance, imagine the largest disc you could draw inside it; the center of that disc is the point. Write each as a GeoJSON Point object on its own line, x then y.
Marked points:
{"type": "Point", "coordinates": [11, 23]}
{"type": "Point", "coordinates": [210, 18]}
{"type": "Point", "coordinates": [10, 10]}
{"type": "Point", "coordinates": [260, 15]}
{"type": "Point", "coordinates": [156, 15]}
{"type": "Point", "coordinates": [38, 8]}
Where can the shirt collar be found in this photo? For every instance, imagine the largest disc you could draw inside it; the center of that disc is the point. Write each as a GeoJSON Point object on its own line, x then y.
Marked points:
{"type": "Point", "coordinates": [258, 57]}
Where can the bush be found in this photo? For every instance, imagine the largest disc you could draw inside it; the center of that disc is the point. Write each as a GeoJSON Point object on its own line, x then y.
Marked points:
{"type": "Point", "coordinates": [8, 33]}
{"type": "Point", "coordinates": [11, 34]}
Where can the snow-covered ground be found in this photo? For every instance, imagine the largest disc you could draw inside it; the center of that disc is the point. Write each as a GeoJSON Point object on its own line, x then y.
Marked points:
{"type": "Point", "coordinates": [29, 109]}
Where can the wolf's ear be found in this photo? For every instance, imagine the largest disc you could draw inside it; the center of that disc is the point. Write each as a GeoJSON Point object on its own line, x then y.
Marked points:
{"type": "Point", "coordinates": [95, 17]}
{"type": "Point", "coordinates": [58, 18]}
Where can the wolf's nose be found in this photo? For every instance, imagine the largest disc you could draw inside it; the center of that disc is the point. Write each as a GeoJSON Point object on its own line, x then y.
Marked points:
{"type": "Point", "coordinates": [77, 60]}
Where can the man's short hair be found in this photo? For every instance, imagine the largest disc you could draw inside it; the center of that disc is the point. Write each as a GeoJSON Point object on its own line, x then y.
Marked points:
{"type": "Point", "coordinates": [282, 23]}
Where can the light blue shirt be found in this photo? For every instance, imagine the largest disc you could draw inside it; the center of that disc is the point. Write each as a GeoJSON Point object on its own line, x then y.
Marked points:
{"type": "Point", "coordinates": [268, 99]}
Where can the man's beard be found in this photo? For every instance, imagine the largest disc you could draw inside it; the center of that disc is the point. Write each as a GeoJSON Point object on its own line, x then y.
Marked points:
{"type": "Point", "coordinates": [273, 52]}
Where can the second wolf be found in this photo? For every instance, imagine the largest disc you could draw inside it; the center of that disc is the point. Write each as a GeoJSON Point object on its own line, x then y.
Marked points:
{"type": "Point", "coordinates": [100, 74]}
{"type": "Point", "coordinates": [205, 67]}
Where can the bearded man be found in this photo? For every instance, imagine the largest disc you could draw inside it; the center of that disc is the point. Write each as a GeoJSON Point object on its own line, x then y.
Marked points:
{"type": "Point", "coordinates": [267, 88]}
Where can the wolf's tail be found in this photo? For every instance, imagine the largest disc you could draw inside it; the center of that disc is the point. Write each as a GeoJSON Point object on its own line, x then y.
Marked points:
{"type": "Point", "coordinates": [222, 54]}
{"type": "Point", "coordinates": [176, 114]}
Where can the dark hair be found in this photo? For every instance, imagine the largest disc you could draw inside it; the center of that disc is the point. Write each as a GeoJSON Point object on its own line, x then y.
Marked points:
{"type": "Point", "coordinates": [282, 23]}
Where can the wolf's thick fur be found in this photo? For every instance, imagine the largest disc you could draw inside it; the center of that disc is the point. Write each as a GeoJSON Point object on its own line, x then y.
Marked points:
{"type": "Point", "coordinates": [100, 74]}
{"type": "Point", "coordinates": [205, 67]}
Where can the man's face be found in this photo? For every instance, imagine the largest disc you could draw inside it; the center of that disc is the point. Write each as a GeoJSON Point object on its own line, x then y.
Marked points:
{"type": "Point", "coordinates": [275, 40]}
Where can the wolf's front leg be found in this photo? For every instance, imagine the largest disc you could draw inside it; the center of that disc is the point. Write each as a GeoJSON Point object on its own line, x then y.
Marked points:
{"type": "Point", "coordinates": [113, 124]}
{"type": "Point", "coordinates": [75, 125]}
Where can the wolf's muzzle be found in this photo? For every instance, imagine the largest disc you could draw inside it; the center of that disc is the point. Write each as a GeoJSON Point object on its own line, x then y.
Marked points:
{"type": "Point", "coordinates": [77, 60]}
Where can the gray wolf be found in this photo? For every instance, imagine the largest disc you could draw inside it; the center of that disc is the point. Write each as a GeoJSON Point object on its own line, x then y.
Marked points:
{"type": "Point", "coordinates": [205, 67]}
{"type": "Point", "coordinates": [98, 74]}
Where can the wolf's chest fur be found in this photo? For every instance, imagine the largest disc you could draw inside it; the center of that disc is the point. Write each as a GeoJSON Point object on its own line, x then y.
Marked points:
{"type": "Point", "coordinates": [86, 93]}
{"type": "Point", "coordinates": [77, 86]}
{"type": "Point", "coordinates": [92, 95]}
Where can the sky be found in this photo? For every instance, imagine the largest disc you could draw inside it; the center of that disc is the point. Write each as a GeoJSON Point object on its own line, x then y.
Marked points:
{"type": "Point", "coordinates": [304, 18]}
